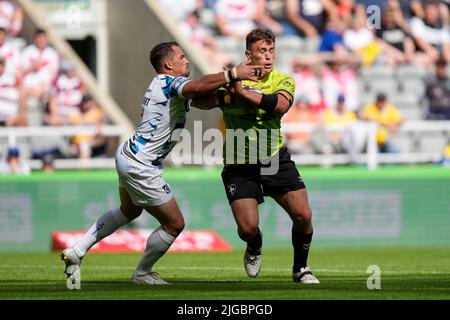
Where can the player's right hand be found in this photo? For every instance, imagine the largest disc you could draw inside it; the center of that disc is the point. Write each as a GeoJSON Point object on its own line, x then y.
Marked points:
{"type": "Point", "coordinates": [250, 72]}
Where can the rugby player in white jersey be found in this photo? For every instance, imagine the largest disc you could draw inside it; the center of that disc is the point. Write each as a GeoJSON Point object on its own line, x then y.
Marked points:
{"type": "Point", "coordinates": [139, 160]}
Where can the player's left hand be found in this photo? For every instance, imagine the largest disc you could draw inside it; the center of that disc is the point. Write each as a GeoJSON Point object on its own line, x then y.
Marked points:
{"type": "Point", "coordinates": [246, 71]}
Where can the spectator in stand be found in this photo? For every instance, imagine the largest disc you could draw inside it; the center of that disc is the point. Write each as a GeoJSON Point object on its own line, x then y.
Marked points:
{"type": "Point", "coordinates": [368, 3]}
{"type": "Point", "coordinates": [309, 84]}
{"type": "Point", "coordinates": [332, 39]}
{"type": "Point", "coordinates": [393, 38]}
{"type": "Point", "coordinates": [345, 10]}
{"type": "Point", "coordinates": [210, 4]}
{"type": "Point", "coordinates": [277, 11]}
{"type": "Point", "coordinates": [12, 108]}
{"type": "Point", "coordinates": [446, 156]}
{"type": "Point", "coordinates": [264, 19]}
{"type": "Point", "coordinates": [40, 64]}
{"type": "Point", "coordinates": [14, 163]}
{"type": "Point", "coordinates": [417, 8]}
{"type": "Point", "coordinates": [432, 34]}
{"type": "Point", "coordinates": [87, 146]}
{"type": "Point", "coordinates": [309, 16]}
{"type": "Point", "coordinates": [181, 9]}
{"type": "Point", "coordinates": [305, 141]}
{"type": "Point", "coordinates": [338, 78]}
{"type": "Point", "coordinates": [341, 141]}
{"type": "Point", "coordinates": [11, 18]}
{"type": "Point", "coordinates": [332, 44]}
{"type": "Point", "coordinates": [388, 118]}
{"type": "Point", "coordinates": [200, 37]}
{"type": "Point", "coordinates": [361, 41]}
{"type": "Point", "coordinates": [436, 93]}
{"type": "Point", "coordinates": [401, 19]}
{"type": "Point", "coordinates": [236, 18]}
{"type": "Point", "coordinates": [65, 96]}
{"type": "Point", "coordinates": [409, 8]}
{"type": "Point", "coordinates": [339, 115]}
{"type": "Point", "coordinates": [48, 163]}
{"type": "Point", "coordinates": [10, 54]}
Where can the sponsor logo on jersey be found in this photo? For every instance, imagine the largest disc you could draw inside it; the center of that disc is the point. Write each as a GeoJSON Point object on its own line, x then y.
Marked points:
{"type": "Point", "coordinates": [286, 82]}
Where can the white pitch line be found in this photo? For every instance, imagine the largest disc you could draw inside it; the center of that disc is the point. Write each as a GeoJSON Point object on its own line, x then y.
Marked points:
{"type": "Point", "coordinates": [223, 269]}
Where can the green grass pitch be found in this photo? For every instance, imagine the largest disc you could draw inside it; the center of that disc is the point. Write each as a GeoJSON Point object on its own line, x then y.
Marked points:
{"type": "Point", "coordinates": [406, 273]}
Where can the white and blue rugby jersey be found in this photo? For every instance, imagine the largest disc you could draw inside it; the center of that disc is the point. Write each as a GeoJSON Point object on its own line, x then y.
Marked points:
{"type": "Point", "coordinates": [163, 112]}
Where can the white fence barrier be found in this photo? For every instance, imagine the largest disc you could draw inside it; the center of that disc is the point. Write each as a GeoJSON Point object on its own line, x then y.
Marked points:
{"type": "Point", "coordinates": [414, 129]}
{"type": "Point", "coordinates": [372, 158]}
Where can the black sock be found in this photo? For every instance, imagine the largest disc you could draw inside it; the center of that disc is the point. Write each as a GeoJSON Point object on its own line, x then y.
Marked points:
{"type": "Point", "coordinates": [254, 245]}
{"type": "Point", "coordinates": [301, 243]}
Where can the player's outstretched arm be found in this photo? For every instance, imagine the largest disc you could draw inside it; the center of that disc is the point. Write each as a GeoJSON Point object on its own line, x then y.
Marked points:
{"type": "Point", "coordinates": [205, 102]}
{"type": "Point", "coordinates": [212, 82]}
{"type": "Point", "coordinates": [278, 102]}
{"type": "Point", "coordinates": [218, 99]}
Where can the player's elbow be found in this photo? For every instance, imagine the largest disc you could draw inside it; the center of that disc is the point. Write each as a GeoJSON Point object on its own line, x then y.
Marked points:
{"type": "Point", "coordinates": [197, 102]}
{"type": "Point", "coordinates": [174, 227]}
{"type": "Point", "coordinates": [282, 108]}
{"type": "Point", "coordinates": [204, 102]}
{"type": "Point", "coordinates": [192, 89]}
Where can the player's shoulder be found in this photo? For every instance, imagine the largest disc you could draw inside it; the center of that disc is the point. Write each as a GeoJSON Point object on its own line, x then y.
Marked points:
{"type": "Point", "coordinates": [277, 73]}
{"type": "Point", "coordinates": [283, 81]}
{"type": "Point", "coordinates": [171, 85]}
{"type": "Point", "coordinates": [171, 80]}
{"type": "Point", "coordinates": [278, 76]}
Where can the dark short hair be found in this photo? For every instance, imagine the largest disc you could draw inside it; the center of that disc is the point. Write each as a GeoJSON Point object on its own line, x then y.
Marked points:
{"type": "Point", "coordinates": [159, 52]}
{"type": "Point", "coordinates": [381, 97]}
{"type": "Point", "coordinates": [87, 97]}
{"type": "Point", "coordinates": [256, 35]}
{"type": "Point", "coordinates": [195, 13]}
{"type": "Point", "coordinates": [441, 62]}
{"type": "Point", "coordinates": [39, 31]}
{"type": "Point", "coordinates": [432, 3]}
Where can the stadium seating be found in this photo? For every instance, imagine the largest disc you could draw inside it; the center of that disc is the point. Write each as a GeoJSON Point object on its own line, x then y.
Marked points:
{"type": "Point", "coordinates": [401, 84]}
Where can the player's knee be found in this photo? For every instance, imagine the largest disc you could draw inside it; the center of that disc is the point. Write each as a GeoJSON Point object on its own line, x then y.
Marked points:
{"type": "Point", "coordinates": [303, 217]}
{"type": "Point", "coordinates": [131, 212]}
{"type": "Point", "coordinates": [179, 227]}
{"type": "Point", "coordinates": [176, 227]}
{"type": "Point", "coordinates": [247, 232]}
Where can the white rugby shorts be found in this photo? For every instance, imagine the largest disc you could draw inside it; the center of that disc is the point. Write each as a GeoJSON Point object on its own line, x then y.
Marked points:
{"type": "Point", "coordinates": [144, 184]}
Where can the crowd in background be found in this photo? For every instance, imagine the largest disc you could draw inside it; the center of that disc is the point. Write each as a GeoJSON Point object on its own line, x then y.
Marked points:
{"type": "Point", "coordinates": [39, 87]}
{"type": "Point", "coordinates": [414, 31]}
{"type": "Point", "coordinates": [344, 38]}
